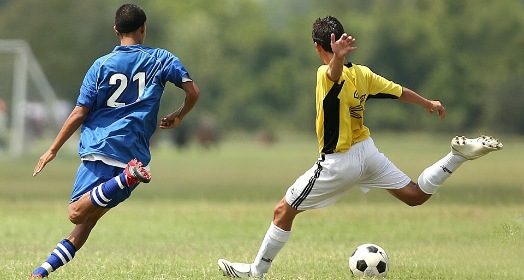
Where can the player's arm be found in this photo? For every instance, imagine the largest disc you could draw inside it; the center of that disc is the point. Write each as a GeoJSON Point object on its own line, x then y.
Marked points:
{"type": "Point", "coordinates": [340, 48]}
{"type": "Point", "coordinates": [174, 119]}
{"type": "Point", "coordinates": [73, 122]}
{"type": "Point", "coordinates": [409, 96]}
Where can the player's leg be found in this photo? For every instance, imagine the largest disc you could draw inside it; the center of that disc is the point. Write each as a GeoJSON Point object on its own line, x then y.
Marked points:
{"type": "Point", "coordinates": [81, 209]}
{"type": "Point", "coordinates": [275, 239]}
{"type": "Point", "coordinates": [411, 194]}
{"type": "Point", "coordinates": [89, 205]}
{"type": "Point", "coordinates": [81, 231]}
{"type": "Point", "coordinates": [319, 187]}
{"type": "Point", "coordinates": [462, 150]}
{"type": "Point", "coordinates": [66, 249]}
{"type": "Point", "coordinates": [103, 194]}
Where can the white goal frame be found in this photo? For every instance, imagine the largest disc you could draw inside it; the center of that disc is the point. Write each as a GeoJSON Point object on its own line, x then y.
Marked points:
{"type": "Point", "coordinates": [26, 66]}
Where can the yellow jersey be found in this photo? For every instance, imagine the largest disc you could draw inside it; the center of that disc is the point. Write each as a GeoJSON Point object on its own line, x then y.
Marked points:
{"type": "Point", "coordinates": [340, 106]}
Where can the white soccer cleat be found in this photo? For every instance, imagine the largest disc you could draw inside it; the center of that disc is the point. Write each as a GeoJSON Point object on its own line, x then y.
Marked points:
{"type": "Point", "coordinates": [474, 148]}
{"type": "Point", "coordinates": [236, 270]}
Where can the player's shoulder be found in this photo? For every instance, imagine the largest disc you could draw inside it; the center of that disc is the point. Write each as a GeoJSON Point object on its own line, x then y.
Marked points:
{"type": "Point", "coordinates": [322, 68]}
{"type": "Point", "coordinates": [360, 67]}
{"type": "Point", "coordinates": [361, 70]}
{"type": "Point", "coordinates": [159, 52]}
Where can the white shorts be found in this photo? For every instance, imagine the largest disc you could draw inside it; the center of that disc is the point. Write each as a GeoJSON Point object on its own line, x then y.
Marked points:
{"type": "Point", "coordinates": [335, 174]}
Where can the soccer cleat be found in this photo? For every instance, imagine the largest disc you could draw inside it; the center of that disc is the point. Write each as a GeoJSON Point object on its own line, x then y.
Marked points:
{"type": "Point", "coordinates": [474, 148]}
{"type": "Point", "coordinates": [136, 173]}
{"type": "Point", "coordinates": [37, 276]}
{"type": "Point", "coordinates": [236, 270]}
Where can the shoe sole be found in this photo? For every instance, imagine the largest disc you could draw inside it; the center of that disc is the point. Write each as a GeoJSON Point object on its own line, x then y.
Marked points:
{"type": "Point", "coordinates": [488, 144]}
{"type": "Point", "coordinates": [136, 172]}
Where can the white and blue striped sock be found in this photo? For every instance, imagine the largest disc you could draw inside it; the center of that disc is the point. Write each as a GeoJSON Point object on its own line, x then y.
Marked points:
{"type": "Point", "coordinates": [104, 193]}
{"type": "Point", "coordinates": [61, 255]}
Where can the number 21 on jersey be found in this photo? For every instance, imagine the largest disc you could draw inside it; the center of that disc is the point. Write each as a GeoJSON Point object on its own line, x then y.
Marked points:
{"type": "Point", "coordinates": [139, 79]}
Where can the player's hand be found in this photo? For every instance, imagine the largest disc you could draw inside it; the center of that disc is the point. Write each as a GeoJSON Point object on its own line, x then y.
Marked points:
{"type": "Point", "coordinates": [171, 121]}
{"type": "Point", "coordinates": [437, 106]}
{"type": "Point", "coordinates": [44, 159]}
{"type": "Point", "coordinates": [343, 45]}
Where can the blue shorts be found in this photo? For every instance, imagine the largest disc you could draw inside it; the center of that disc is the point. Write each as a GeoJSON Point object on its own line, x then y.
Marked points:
{"type": "Point", "coordinates": [93, 173]}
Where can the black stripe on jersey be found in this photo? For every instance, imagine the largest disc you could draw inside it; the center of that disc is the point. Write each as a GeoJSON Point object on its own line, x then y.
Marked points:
{"type": "Point", "coordinates": [331, 107]}
{"type": "Point", "coordinates": [382, 96]}
{"type": "Point", "coordinates": [308, 187]}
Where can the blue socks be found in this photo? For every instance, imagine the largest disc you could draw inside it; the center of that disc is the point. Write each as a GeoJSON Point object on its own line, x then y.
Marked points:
{"type": "Point", "coordinates": [104, 193]}
{"type": "Point", "coordinates": [62, 254]}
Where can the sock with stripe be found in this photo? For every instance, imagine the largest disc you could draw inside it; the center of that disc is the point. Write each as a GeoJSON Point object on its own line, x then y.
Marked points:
{"type": "Point", "coordinates": [61, 255]}
{"type": "Point", "coordinates": [274, 240]}
{"type": "Point", "coordinates": [435, 175]}
{"type": "Point", "coordinates": [104, 193]}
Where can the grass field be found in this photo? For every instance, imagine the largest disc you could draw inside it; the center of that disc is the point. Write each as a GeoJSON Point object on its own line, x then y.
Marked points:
{"type": "Point", "coordinates": [204, 205]}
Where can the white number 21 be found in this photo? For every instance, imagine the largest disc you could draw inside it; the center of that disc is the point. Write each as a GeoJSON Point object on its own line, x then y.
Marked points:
{"type": "Point", "coordinates": [140, 76]}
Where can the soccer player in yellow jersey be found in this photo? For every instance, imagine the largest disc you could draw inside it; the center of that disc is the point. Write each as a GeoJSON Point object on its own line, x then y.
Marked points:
{"type": "Point", "coordinates": [348, 156]}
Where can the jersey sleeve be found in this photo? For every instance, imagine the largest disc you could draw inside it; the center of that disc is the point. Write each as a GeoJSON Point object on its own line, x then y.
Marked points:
{"type": "Point", "coordinates": [88, 90]}
{"type": "Point", "coordinates": [176, 72]}
{"type": "Point", "coordinates": [380, 87]}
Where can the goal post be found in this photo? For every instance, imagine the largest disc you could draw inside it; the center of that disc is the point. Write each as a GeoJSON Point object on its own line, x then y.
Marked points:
{"type": "Point", "coordinates": [26, 68]}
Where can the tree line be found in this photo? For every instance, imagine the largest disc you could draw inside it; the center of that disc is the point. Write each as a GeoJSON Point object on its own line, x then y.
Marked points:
{"type": "Point", "coordinates": [255, 62]}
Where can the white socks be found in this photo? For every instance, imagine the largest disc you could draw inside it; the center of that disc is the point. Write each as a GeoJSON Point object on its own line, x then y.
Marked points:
{"type": "Point", "coordinates": [435, 175]}
{"type": "Point", "coordinates": [274, 240]}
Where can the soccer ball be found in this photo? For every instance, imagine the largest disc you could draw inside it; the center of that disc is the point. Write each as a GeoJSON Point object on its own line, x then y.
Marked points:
{"type": "Point", "coordinates": [369, 260]}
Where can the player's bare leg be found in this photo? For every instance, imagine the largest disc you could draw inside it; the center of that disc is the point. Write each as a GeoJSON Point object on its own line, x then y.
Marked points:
{"type": "Point", "coordinates": [81, 232]}
{"type": "Point", "coordinates": [411, 194]}
{"type": "Point", "coordinates": [284, 215]}
{"type": "Point", "coordinates": [82, 209]}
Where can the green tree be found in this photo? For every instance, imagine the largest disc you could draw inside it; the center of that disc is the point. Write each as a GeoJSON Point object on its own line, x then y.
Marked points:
{"type": "Point", "coordinates": [255, 62]}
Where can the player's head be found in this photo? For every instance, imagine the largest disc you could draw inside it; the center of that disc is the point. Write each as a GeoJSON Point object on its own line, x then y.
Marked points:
{"type": "Point", "coordinates": [129, 18]}
{"type": "Point", "coordinates": [322, 29]}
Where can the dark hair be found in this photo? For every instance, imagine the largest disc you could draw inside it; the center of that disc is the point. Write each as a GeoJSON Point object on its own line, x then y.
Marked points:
{"type": "Point", "coordinates": [322, 30]}
{"type": "Point", "coordinates": [129, 17]}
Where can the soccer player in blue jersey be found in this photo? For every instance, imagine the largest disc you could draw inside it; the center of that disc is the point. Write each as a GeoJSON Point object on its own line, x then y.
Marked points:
{"type": "Point", "coordinates": [117, 110]}
{"type": "Point", "coordinates": [348, 156]}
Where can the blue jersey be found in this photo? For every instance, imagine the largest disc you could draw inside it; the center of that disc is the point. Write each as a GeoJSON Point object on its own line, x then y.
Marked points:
{"type": "Point", "coordinates": [122, 91]}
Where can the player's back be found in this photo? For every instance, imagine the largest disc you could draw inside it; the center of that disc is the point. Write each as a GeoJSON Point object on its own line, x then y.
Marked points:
{"type": "Point", "coordinates": [128, 74]}
{"type": "Point", "coordinates": [123, 91]}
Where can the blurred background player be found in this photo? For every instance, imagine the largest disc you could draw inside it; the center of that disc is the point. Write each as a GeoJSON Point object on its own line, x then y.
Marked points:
{"type": "Point", "coordinates": [348, 156]}
{"type": "Point", "coordinates": [118, 111]}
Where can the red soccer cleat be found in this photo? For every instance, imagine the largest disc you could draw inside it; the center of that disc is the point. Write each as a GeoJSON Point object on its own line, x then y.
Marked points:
{"type": "Point", "coordinates": [135, 173]}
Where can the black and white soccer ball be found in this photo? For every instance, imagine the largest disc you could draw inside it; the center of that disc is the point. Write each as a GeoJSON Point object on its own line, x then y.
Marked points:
{"type": "Point", "coordinates": [369, 260]}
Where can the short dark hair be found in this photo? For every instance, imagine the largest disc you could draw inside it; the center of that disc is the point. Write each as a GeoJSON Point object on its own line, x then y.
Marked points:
{"type": "Point", "coordinates": [129, 17]}
{"type": "Point", "coordinates": [322, 30]}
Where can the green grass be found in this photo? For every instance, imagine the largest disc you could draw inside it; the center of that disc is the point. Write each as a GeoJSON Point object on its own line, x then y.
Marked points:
{"type": "Point", "coordinates": [204, 205]}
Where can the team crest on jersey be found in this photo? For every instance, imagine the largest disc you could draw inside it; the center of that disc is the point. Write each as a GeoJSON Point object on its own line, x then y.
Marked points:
{"type": "Point", "coordinates": [354, 111]}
